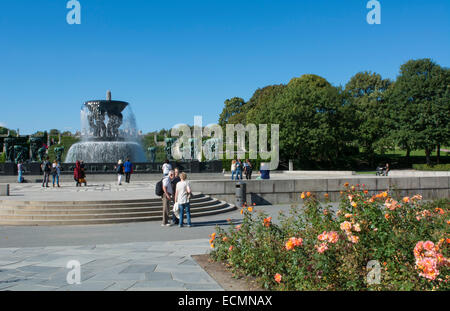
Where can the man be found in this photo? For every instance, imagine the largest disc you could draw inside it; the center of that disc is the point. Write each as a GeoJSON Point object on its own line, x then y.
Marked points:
{"type": "Point", "coordinates": [167, 197]}
{"type": "Point", "coordinates": [166, 167]}
{"type": "Point", "coordinates": [174, 183]}
{"type": "Point", "coordinates": [128, 168]}
{"type": "Point", "coordinates": [46, 168]}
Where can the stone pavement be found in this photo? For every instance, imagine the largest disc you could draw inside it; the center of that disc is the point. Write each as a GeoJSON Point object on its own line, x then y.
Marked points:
{"type": "Point", "coordinates": [137, 266]}
{"type": "Point", "coordinates": [135, 256]}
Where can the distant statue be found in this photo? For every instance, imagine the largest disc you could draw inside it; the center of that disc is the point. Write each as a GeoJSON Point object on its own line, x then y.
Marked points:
{"type": "Point", "coordinates": [42, 152]}
{"type": "Point", "coordinates": [20, 153]}
{"type": "Point", "coordinates": [211, 148]}
{"type": "Point", "coordinates": [152, 151]}
{"type": "Point", "coordinates": [168, 148]}
{"type": "Point", "coordinates": [35, 144]}
{"type": "Point", "coordinates": [58, 153]}
{"type": "Point", "coordinates": [9, 148]}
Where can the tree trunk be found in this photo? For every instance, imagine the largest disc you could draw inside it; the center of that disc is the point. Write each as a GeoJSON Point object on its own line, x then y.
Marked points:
{"type": "Point", "coordinates": [438, 152]}
{"type": "Point", "coordinates": [408, 152]}
{"type": "Point", "coordinates": [427, 154]}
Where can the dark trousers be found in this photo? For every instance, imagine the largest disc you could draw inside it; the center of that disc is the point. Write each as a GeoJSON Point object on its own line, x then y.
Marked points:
{"type": "Point", "coordinates": [46, 179]}
{"type": "Point", "coordinates": [248, 174]}
{"type": "Point", "coordinates": [127, 177]}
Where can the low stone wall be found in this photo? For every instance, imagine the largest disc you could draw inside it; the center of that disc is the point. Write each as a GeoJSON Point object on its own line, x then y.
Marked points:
{"type": "Point", "coordinates": [264, 192]}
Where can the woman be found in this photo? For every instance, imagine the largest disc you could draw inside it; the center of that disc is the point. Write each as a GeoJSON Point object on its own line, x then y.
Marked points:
{"type": "Point", "coordinates": [233, 169]}
{"type": "Point", "coordinates": [56, 172]}
{"type": "Point", "coordinates": [182, 196]}
{"type": "Point", "coordinates": [120, 172]}
{"type": "Point", "coordinates": [20, 172]}
{"type": "Point", "coordinates": [78, 173]}
{"type": "Point", "coordinates": [248, 169]}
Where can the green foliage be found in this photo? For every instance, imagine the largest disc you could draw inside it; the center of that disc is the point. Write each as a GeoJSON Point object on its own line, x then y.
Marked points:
{"type": "Point", "coordinates": [437, 167]}
{"type": "Point", "coordinates": [420, 102]}
{"type": "Point", "coordinates": [315, 248]}
{"type": "Point", "coordinates": [233, 112]}
{"type": "Point", "coordinates": [66, 142]}
{"type": "Point", "coordinates": [2, 157]}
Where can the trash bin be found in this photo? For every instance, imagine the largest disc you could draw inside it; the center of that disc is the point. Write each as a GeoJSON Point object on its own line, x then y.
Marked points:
{"type": "Point", "coordinates": [241, 193]}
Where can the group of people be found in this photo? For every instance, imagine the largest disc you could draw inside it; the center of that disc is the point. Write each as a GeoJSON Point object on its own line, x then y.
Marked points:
{"type": "Point", "coordinates": [124, 169]}
{"type": "Point", "coordinates": [238, 168]}
{"type": "Point", "coordinates": [177, 190]}
{"type": "Point", "coordinates": [50, 169]}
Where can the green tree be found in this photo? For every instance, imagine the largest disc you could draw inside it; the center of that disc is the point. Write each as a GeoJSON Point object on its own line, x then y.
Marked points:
{"type": "Point", "coordinates": [420, 105]}
{"type": "Point", "coordinates": [233, 112]}
{"type": "Point", "coordinates": [366, 94]}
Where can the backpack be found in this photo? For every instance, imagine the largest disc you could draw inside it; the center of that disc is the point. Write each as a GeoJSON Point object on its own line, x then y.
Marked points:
{"type": "Point", "coordinates": [47, 167]}
{"type": "Point", "coordinates": [159, 188]}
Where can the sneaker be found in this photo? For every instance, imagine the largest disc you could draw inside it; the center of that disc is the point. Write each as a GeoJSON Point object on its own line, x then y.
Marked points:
{"type": "Point", "coordinates": [189, 226]}
{"type": "Point", "coordinates": [168, 225]}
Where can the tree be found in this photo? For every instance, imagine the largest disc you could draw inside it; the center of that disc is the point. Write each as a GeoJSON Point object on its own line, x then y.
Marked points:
{"type": "Point", "coordinates": [233, 112]}
{"type": "Point", "coordinates": [308, 112]}
{"type": "Point", "coordinates": [366, 94]}
{"type": "Point", "coordinates": [420, 105]}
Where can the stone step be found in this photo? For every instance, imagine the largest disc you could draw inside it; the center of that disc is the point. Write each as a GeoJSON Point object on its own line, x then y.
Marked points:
{"type": "Point", "coordinates": [93, 204]}
{"type": "Point", "coordinates": [106, 213]}
{"type": "Point", "coordinates": [154, 205]}
{"type": "Point", "coordinates": [97, 221]}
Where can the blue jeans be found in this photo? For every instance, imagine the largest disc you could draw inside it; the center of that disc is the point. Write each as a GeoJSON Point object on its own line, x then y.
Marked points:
{"type": "Point", "coordinates": [238, 174]}
{"type": "Point", "coordinates": [56, 177]}
{"type": "Point", "coordinates": [232, 175]}
{"type": "Point", "coordinates": [185, 207]}
{"type": "Point", "coordinates": [20, 178]}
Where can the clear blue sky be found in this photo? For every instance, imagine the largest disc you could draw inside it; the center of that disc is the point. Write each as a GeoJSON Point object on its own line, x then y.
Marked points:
{"type": "Point", "coordinates": [175, 59]}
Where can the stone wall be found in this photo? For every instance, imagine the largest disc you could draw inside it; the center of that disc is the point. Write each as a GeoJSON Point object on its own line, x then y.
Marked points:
{"type": "Point", "coordinates": [288, 191]}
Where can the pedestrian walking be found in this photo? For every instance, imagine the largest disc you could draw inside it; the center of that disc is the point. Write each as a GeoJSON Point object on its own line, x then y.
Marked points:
{"type": "Point", "coordinates": [120, 171]}
{"type": "Point", "coordinates": [128, 169]}
{"type": "Point", "coordinates": [248, 168]}
{"type": "Point", "coordinates": [83, 174]}
{"type": "Point", "coordinates": [233, 169]}
{"type": "Point", "coordinates": [167, 197]}
{"type": "Point", "coordinates": [77, 173]}
{"type": "Point", "coordinates": [183, 194]}
{"type": "Point", "coordinates": [239, 168]}
{"type": "Point", "coordinates": [56, 172]}
{"type": "Point", "coordinates": [20, 172]}
{"type": "Point", "coordinates": [46, 168]}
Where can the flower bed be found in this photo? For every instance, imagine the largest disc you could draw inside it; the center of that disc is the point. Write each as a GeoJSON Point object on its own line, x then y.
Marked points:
{"type": "Point", "coordinates": [370, 243]}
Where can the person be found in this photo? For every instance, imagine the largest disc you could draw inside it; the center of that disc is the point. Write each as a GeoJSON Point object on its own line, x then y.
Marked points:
{"type": "Point", "coordinates": [77, 173]}
{"type": "Point", "coordinates": [166, 168]}
{"type": "Point", "coordinates": [120, 170]}
{"type": "Point", "coordinates": [239, 169]}
{"type": "Point", "coordinates": [264, 171]}
{"type": "Point", "coordinates": [167, 197]}
{"type": "Point", "coordinates": [386, 170]}
{"type": "Point", "coordinates": [128, 169]}
{"type": "Point", "coordinates": [56, 172]}
{"type": "Point", "coordinates": [248, 169]}
{"type": "Point", "coordinates": [20, 172]}
{"type": "Point", "coordinates": [46, 168]}
{"type": "Point", "coordinates": [182, 196]}
{"type": "Point", "coordinates": [83, 173]}
{"type": "Point", "coordinates": [233, 169]}
{"type": "Point", "coordinates": [174, 182]}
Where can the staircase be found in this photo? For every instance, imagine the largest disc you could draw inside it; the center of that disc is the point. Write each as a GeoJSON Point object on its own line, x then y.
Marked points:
{"type": "Point", "coordinates": [50, 213]}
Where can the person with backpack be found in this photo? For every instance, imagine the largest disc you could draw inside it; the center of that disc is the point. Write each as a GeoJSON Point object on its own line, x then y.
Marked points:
{"type": "Point", "coordinates": [166, 197]}
{"type": "Point", "coordinates": [239, 169]}
{"type": "Point", "coordinates": [166, 168]}
{"type": "Point", "coordinates": [46, 168]}
{"type": "Point", "coordinates": [120, 171]}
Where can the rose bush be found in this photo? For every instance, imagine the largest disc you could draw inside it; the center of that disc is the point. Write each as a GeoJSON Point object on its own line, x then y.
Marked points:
{"type": "Point", "coordinates": [319, 247]}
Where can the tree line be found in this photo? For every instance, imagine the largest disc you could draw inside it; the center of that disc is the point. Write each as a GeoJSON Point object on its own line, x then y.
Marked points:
{"type": "Point", "coordinates": [325, 125]}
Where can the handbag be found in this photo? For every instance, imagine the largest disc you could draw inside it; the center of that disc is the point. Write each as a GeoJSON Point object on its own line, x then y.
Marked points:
{"type": "Point", "coordinates": [176, 210]}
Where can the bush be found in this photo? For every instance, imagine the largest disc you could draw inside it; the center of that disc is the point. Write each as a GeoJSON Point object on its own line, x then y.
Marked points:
{"type": "Point", "coordinates": [317, 248]}
{"type": "Point", "coordinates": [437, 167]}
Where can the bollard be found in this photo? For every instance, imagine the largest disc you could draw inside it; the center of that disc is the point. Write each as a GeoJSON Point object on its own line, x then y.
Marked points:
{"type": "Point", "coordinates": [4, 190]}
{"type": "Point", "coordinates": [241, 193]}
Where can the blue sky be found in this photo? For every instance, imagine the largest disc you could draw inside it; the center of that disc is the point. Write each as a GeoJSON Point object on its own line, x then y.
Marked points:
{"type": "Point", "coordinates": [175, 59]}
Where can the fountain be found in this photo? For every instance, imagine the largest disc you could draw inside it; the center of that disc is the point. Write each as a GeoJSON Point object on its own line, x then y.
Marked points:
{"type": "Point", "coordinates": [107, 135]}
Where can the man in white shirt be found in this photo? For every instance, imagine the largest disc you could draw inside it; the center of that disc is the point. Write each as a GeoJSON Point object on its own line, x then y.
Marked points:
{"type": "Point", "coordinates": [166, 168]}
{"type": "Point", "coordinates": [167, 197]}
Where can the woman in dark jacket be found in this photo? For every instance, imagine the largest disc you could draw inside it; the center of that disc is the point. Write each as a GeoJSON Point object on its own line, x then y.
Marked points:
{"type": "Point", "coordinates": [77, 173]}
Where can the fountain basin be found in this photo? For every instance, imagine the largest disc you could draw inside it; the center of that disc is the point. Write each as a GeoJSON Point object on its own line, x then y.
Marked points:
{"type": "Point", "coordinates": [106, 152]}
